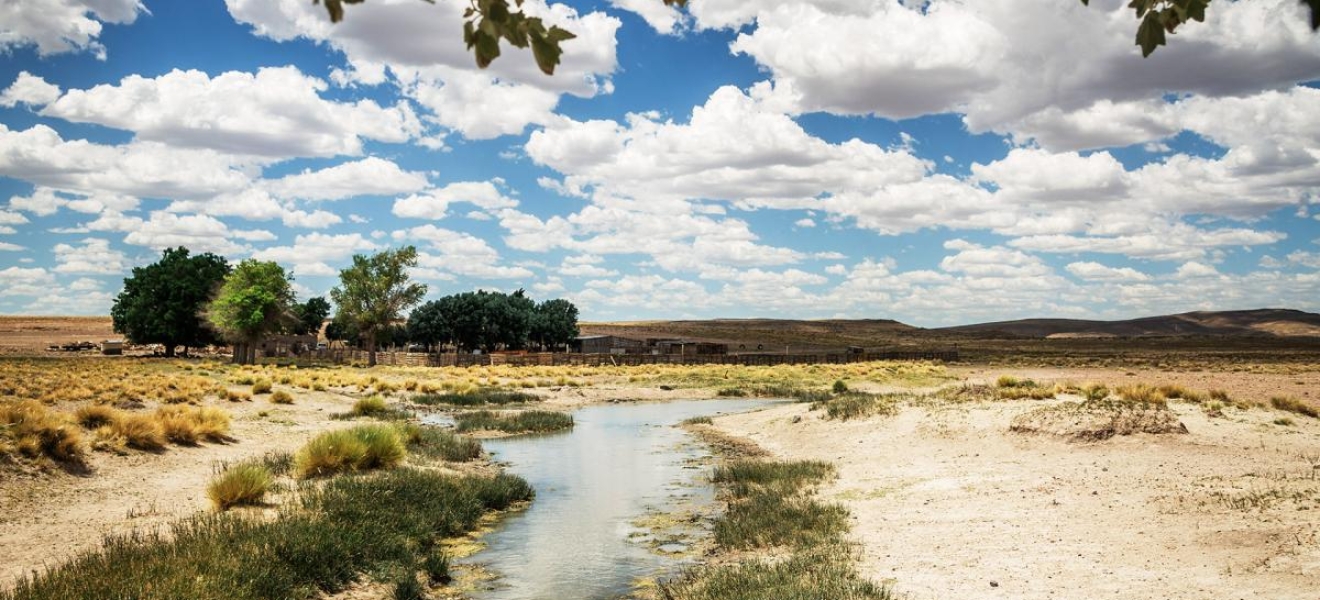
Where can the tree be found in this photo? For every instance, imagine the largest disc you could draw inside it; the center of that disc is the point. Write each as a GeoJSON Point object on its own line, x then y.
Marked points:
{"type": "Point", "coordinates": [489, 21]}
{"type": "Point", "coordinates": [428, 325]}
{"type": "Point", "coordinates": [256, 299]}
{"type": "Point", "coordinates": [338, 331]}
{"type": "Point", "coordinates": [375, 290]}
{"type": "Point", "coordinates": [311, 315]}
{"type": "Point", "coordinates": [555, 323]}
{"type": "Point", "coordinates": [162, 302]}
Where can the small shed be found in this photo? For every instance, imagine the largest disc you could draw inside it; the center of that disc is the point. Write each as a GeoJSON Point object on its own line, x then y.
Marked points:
{"type": "Point", "coordinates": [112, 347]}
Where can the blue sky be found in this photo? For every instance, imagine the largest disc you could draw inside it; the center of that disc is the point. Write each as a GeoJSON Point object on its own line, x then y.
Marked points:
{"type": "Point", "coordinates": [942, 165]}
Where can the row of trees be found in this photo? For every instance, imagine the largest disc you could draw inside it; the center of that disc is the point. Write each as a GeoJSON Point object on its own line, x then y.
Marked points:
{"type": "Point", "coordinates": [491, 320]}
{"type": "Point", "coordinates": [197, 300]}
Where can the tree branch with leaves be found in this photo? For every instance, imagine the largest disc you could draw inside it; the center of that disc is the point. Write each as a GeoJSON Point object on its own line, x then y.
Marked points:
{"type": "Point", "coordinates": [374, 292]}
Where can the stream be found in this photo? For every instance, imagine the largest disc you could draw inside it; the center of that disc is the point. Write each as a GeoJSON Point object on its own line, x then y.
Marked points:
{"type": "Point", "coordinates": [585, 537]}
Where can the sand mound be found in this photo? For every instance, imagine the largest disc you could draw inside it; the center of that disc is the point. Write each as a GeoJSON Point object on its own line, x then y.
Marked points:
{"type": "Point", "coordinates": [1098, 420]}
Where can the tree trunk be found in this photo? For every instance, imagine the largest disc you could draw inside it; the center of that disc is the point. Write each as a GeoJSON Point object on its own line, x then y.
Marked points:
{"type": "Point", "coordinates": [185, 351]}
{"type": "Point", "coordinates": [169, 350]}
{"type": "Point", "coordinates": [371, 349]}
{"type": "Point", "coordinates": [251, 354]}
{"type": "Point", "coordinates": [240, 353]}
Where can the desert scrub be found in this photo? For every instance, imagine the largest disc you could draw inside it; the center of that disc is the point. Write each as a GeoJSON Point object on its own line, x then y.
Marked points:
{"type": "Point", "coordinates": [353, 449]}
{"type": "Point", "coordinates": [281, 397]}
{"type": "Point", "coordinates": [1100, 420]}
{"type": "Point", "coordinates": [478, 397]}
{"type": "Point", "coordinates": [771, 508]}
{"type": "Point", "coordinates": [187, 426]}
{"type": "Point", "coordinates": [142, 432]}
{"type": "Point", "coordinates": [858, 405]}
{"type": "Point", "coordinates": [245, 483]}
{"type": "Point", "coordinates": [31, 432]}
{"type": "Point", "coordinates": [434, 442]}
{"type": "Point", "coordinates": [94, 416]}
{"type": "Point", "coordinates": [530, 421]}
{"type": "Point", "coordinates": [261, 386]}
{"type": "Point", "coordinates": [702, 420]}
{"type": "Point", "coordinates": [311, 549]}
{"type": "Point", "coordinates": [1294, 405]}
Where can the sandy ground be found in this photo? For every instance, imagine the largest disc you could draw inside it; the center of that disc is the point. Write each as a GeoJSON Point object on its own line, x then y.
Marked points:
{"type": "Point", "coordinates": [947, 503]}
{"type": "Point", "coordinates": [31, 335]}
{"type": "Point", "coordinates": [944, 501]}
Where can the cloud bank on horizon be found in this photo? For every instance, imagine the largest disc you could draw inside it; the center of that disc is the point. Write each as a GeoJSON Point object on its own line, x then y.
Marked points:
{"type": "Point", "coordinates": [939, 163]}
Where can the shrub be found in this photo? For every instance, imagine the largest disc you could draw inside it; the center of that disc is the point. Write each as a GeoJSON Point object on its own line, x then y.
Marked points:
{"type": "Point", "coordinates": [237, 396]}
{"type": "Point", "coordinates": [436, 442]}
{"type": "Point", "coordinates": [530, 421]}
{"type": "Point", "coordinates": [361, 447]}
{"type": "Point", "coordinates": [281, 397]}
{"type": "Point", "coordinates": [856, 405]}
{"type": "Point", "coordinates": [703, 420]}
{"type": "Point", "coordinates": [366, 407]}
{"type": "Point", "coordinates": [187, 426]}
{"type": "Point", "coordinates": [476, 397]}
{"type": "Point", "coordinates": [1219, 395]}
{"type": "Point", "coordinates": [436, 565]}
{"type": "Point", "coordinates": [262, 386]}
{"type": "Point", "coordinates": [1294, 405]}
{"type": "Point", "coordinates": [349, 526]}
{"type": "Point", "coordinates": [32, 431]}
{"type": "Point", "coordinates": [243, 484]}
{"type": "Point", "coordinates": [95, 416]}
{"type": "Point", "coordinates": [141, 432]}
{"type": "Point", "coordinates": [1141, 393]}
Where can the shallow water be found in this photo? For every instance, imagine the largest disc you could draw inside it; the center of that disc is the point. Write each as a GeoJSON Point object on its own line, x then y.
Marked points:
{"type": "Point", "coordinates": [620, 463]}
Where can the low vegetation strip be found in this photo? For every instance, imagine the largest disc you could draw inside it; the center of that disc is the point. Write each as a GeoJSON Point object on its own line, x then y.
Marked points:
{"type": "Point", "coordinates": [788, 545]}
{"type": "Point", "coordinates": [528, 421]}
{"type": "Point", "coordinates": [383, 523]}
{"type": "Point", "coordinates": [478, 397]}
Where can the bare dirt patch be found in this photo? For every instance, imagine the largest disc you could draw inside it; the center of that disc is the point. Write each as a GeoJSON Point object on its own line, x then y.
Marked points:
{"type": "Point", "coordinates": [1099, 420]}
{"type": "Point", "coordinates": [947, 502]}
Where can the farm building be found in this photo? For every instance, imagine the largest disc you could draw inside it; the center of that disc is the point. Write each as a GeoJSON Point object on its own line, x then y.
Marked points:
{"type": "Point", "coordinates": [686, 347]}
{"type": "Point", "coordinates": [605, 344]}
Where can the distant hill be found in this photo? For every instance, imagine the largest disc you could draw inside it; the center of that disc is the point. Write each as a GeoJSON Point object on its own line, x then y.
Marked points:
{"type": "Point", "coordinates": [1261, 322]}
{"type": "Point", "coordinates": [777, 335]}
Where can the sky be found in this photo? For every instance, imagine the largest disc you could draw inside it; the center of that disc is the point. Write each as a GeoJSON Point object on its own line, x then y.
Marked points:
{"type": "Point", "coordinates": [939, 163]}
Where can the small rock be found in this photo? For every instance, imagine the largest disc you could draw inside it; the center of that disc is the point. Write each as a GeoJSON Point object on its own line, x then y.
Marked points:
{"type": "Point", "coordinates": [994, 584]}
{"type": "Point", "coordinates": [797, 419]}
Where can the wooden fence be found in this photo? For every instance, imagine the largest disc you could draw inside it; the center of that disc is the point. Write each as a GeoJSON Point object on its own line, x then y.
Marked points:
{"type": "Point", "coordinates": [341, 356]}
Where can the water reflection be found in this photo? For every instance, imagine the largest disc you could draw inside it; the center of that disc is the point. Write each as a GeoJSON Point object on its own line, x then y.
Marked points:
{"type": "Point", "coordinates": [592, 484]}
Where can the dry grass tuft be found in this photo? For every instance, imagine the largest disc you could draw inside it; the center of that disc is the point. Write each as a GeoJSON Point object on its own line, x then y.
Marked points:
{"type": "Point", "coordinates": [1099, 420]}
{"type": "Point", "coordinates": [95, 416]}
{"type": "Point", "coordinates": [242, 484]}
{"type": "Point", "coordinates": [28, 430]}
{"type": "Point", "coordinates": [281, 397]}
{"type": "Point", "coordinates": [1294, 405]}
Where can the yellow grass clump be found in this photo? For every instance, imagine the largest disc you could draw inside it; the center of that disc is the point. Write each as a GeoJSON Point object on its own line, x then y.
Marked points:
{"type": "Point", "coordinates": [242, 484]}
{"type": "Point", "coordinates": [281, 397]}
{"type": "Point", "coordinates": [357, 448]}
{"type": "Point", "coordinates": [28, 430]}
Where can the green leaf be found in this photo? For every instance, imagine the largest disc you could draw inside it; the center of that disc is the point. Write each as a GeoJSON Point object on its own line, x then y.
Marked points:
{"type": "Point", "coordinates": [546, 51]}
{"type": "Point", "coordinates": [1196, 10]}
{"type": "Point", "coordinates": [1151, 33]}
{"type": "Point", "coordinates": [1315, 13]}
{"type": "Point", "coordinates": [335, 8]}
{"type": "Point", "coordinates": [487, 48]}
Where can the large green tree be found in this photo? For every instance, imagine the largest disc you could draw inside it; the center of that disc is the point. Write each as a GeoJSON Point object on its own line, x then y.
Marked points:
{"type": "Point", "coordinates": [375, 291]}
{"type": "Point", "coordinates": [162, 303]}
{"type": "Point", "coordinates": [311, 315]}
{"type": "Point", "coordinates": [256, 300]}
{"type": "Point", "coordinates": [555, 323]}
{"type": "Point", "coordinates": [428, 325]}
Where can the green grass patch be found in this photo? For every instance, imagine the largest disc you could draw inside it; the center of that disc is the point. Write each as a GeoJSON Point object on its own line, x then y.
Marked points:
{"type": "Point", "coordinates": [376, 524]}
{"type": "Point", "coordinates": [529, 421]}
{"type": "Point", "coordinates": [244, 484]}
{"type": "Point", "coordinates": [480, 397]}
{"type": "Point", "coordinates": [433, 442]}
{"type": "Point", "coordinates": [359, 448]}
{"type": "Point", "coordinates": [771, 508]}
